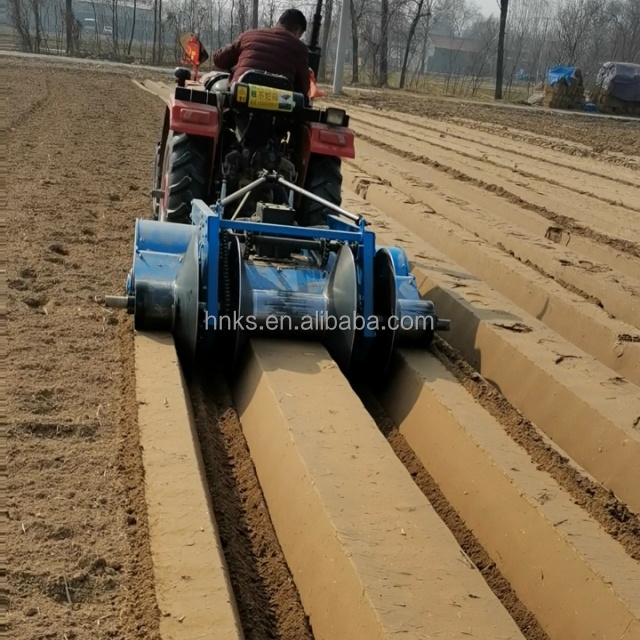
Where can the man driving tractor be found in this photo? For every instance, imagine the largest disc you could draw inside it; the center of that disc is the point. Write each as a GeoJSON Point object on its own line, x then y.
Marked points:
{"type": "Point", "coordinates": [276, 50]}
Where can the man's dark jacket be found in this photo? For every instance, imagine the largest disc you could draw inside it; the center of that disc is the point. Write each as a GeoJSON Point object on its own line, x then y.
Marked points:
{"type": "Point", "coordinates": [274, 50]}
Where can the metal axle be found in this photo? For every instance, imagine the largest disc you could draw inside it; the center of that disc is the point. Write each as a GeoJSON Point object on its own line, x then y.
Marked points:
{"type": "Point", "coordinates": [120, 302]}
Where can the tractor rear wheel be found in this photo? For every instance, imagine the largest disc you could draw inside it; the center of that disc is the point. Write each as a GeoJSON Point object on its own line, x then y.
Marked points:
{"type": "Point", "coordinates": [183, 178]}
{"type": "Point", "coordinates": [157, 182]}
{"type": "Point", "coordinates": [324, 179]}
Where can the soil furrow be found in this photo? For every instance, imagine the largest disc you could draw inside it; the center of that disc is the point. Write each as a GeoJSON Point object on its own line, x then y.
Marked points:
{"type": "Point", "coordinates": [536, 195]}
{"type": "Point", "coordinates": [613, 141]}
{"type": "Point", "coordinates": [555, 303]}
{"type": "Point", "coordinates": [468, 138]}
{"type": "Point", "coordinates": [618, 294]}
{"type": "Point", "coordinates": [458, 199]}
{"type": "Point", "coordinates": [612, 514]}
{"type": "Point", "coordinates": [565, 222]}
{"type": "Point", "coordinates": [524, 618]}
{"type": "Point", "coordinates": [510, 167]}
{"type": "Point", "coordinates": [588, 411]}
{"type": "Point", "coordinates": [596, 152]}
{"type": "Point", "coordinates": [268, 602]}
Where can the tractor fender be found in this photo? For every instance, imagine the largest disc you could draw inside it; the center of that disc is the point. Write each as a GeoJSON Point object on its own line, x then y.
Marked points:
{"type": "Point", "coordinates": [192, 118]}
{"type": "Point", "coordinates": [331, 140]}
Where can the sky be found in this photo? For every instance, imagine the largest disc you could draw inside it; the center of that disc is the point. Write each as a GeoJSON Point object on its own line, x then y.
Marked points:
{"type": "Point", "coordinates": [488, 7]}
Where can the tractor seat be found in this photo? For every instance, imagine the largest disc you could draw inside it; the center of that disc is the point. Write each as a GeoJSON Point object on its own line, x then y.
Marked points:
{"type": "Point", "coordinates": [264, 79]}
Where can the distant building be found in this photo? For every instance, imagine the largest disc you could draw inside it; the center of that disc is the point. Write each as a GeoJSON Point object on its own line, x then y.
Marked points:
{"type": "Point", "coordinates": [451, 55]}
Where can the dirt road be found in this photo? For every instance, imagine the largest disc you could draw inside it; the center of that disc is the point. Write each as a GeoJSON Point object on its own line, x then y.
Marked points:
{"type": "Point", "coordinates": [506, 462]}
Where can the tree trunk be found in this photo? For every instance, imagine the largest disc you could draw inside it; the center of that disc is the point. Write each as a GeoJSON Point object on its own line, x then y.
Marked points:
{"type": "Point", "coordinates": [155, 32]}
{"type": "Point", "coordinates": [504, 6]}
{"type": "Point", "coordinates": [36, 18]}
{"type": "Point", "coordinates": [114, 26]}
{"type": "Point", "coordinates": [68, 20]}
{"type": "Point", "coordinates": [407, 49]}
{"type": "Point", "coordinates": [322, 72]}
{"type": "Point", "coordinates": [384, 44]}
{"type": "Point", "coordinates": [254, 21]}
{"type": "Point", "coordinates": [354, 44]}
{"type": "Point", "coordinates": [160, 34]}
{"type": "Point", "coordinates": [133, 26]}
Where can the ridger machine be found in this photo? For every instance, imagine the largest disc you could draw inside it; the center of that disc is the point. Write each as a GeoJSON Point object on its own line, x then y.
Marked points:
{"type": "Point", "coordinates": [249, 236]}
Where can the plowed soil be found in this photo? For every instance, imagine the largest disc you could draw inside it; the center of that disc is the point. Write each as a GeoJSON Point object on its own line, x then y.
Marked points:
{"type": "Point", "coordinates": [524, 201]}
{"type": "Point", "coordinates": [78, 173]}
{"type": "Point", "coordinates": [590, 136]}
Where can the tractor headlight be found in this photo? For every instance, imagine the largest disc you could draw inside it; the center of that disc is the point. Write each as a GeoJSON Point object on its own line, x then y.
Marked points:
{"type": "Point", "coordinates": [335, 116]}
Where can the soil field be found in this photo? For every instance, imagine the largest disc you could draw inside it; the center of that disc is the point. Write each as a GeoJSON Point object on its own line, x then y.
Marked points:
{"type": "Point", "coordinates": [575, 133]}
{"type": "Point", "coordinates": [489, 488]}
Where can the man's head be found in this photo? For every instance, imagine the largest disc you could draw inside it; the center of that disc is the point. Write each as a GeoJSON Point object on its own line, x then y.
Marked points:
{"type": "Point", "coordinates": [294, 21]}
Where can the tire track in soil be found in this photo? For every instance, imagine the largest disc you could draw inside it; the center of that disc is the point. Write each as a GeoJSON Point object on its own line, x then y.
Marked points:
{"type": "Point", "coordinates": [474, 551]}
{"type": "Point", "coordinates": [268, 601]}
{"type": "Point", "coordinates": [42, 80]}
{"type": "Point", "coordinates": [567, 223]}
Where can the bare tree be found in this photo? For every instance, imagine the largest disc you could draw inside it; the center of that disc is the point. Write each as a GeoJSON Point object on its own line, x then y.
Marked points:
{"type": "Point", "coordinates": [575, 21]}
{"type": "Point", "coordinates": [504, 7]}
{"type": "Point", "coordinates": [384, 43]}
{"type": "Point", "coordinates": [328, 18]}
{"type": "Point", "coordinates": [485, 33]}
{"type": "Point", "coordinates": [357, 9]}
{"type": "Point", "coordinates": [624, 17]}
{"type": "Point", "coordinates": [19, 16]}
{"type": "Point", "coordinates": [422, 9]}
{"type": "Point", "coordinates": [133, 26]}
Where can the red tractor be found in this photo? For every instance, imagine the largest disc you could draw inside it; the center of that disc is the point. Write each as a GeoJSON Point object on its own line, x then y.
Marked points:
{"type": "Point", "coordinates": [219, 137]}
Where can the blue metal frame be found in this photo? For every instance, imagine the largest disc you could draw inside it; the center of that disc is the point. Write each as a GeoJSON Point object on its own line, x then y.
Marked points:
{"type": "Point", "coordinates": [339, 230]}
{"type": "Point", "coordinates": [296, 291]}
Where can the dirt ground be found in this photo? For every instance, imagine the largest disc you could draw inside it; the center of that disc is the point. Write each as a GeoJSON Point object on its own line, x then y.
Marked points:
{"type": "Point", "coordinates": [78, 175]}
{"type": "Point", "coordinates": [553, 199]}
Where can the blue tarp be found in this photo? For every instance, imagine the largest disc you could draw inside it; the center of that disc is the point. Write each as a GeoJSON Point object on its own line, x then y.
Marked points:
{"type": "Point", "coordinates": [556, 74]}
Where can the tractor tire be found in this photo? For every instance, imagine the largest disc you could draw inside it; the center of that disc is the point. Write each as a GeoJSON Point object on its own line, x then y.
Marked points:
{"type": "Point", "coordinates": [324, 179]}
{"type": "Point", "coordinates": [184, 177]}
{"type": "Point", "coordinates": [157, 182]}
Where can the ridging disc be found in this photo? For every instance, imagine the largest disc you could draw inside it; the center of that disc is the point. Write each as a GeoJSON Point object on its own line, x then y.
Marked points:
{"type": "Point", "coordinates": [343, 306]}
{"type": "Point", "coordinates": [186, 294]}
{"type": "Point", "coordinates": [384, 307]}
{"type": "Point", "coordinates": [233, 335]}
